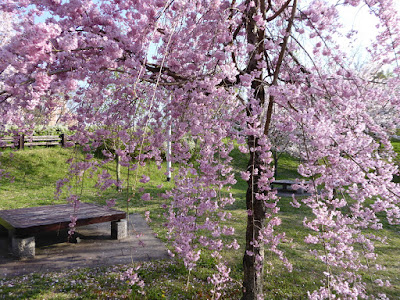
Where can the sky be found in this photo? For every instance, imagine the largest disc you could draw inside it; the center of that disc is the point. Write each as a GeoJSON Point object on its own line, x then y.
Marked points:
{"type": "Point", "coordinates": [359, 18]}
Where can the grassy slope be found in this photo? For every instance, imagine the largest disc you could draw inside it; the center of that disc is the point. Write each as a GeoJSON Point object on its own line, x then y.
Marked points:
{"type": "Point", "coordinates": [36, 172]}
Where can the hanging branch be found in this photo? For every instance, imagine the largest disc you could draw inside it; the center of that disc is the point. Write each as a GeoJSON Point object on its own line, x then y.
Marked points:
{"type": "Point", "coordinates": [278, 66]}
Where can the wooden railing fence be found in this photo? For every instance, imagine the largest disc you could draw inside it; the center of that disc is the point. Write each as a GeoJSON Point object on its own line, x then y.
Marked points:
{"type": "Point", "coordinates": [20, 142]}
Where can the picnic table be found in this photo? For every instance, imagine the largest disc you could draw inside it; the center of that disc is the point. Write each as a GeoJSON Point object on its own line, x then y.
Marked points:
{"type": "Point", "coordinates": [24, 223]}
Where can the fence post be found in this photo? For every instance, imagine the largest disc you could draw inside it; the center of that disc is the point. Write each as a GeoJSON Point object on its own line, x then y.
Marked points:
{"type": "Point", "coordinates": [62, 136]}
{"type": "Point", "coordinates": [21, 142]}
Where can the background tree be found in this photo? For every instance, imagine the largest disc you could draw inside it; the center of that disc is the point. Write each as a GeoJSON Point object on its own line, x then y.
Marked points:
{"type": "Point", "coordinates": [229, 66]}
{"type": "Point", "coordinates": [6, 29]}
{"type": "Point", "coordinates": [6, 32]}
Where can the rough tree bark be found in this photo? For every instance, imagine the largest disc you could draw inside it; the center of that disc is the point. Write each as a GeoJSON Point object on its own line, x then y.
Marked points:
{"type": "Point", "coordinates": [253, 270]}
{"type": "Point", "coordinates": [253, 273]}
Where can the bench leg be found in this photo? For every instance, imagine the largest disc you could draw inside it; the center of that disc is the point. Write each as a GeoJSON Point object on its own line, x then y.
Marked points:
{"type": "Point", "coordinates": [23, 247]}
{"type": "Point", "coordinates": [285, 187]}
{"type": "Point", "coordinates": [119, 229]}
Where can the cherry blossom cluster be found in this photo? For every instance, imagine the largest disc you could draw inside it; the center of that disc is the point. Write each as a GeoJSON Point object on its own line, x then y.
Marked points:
{"type": "Point", "coordinates": [265, 75]}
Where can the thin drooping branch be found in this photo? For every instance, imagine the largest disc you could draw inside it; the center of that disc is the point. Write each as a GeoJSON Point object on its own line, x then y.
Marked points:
{"type": "Point", "coordinates": [278, 67]}
{"type": "Point", "coordinates": [279, 11]}
{"type": "Point", "coordinates": [209, 82]}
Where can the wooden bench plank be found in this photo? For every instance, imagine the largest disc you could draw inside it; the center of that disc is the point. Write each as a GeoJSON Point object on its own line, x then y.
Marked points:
{"type": "Point", "coordinates": [23, 223]}
{"type": "Point", "coordinates": [32, 220]}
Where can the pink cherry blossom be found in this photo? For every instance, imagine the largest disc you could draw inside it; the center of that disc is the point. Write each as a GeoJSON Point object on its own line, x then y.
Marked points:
{"type": "Point", "coordinates": [205, 77]}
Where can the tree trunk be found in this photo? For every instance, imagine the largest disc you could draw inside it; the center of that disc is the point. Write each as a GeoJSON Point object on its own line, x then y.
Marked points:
{"type": "Point", "coordinates": [253, 268]}
{"type": "Point", "coordinates": [253, 260]}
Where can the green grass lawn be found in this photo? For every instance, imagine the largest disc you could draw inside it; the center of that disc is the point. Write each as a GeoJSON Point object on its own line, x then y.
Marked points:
{"type": "Point", "coordinates": [36, 172]}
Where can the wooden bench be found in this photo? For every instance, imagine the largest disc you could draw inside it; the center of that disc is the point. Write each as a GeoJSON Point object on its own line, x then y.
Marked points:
{"type": "Point", "coordinates": [22, 224]}
{"type": "Point", "coordinates": [286, 186]}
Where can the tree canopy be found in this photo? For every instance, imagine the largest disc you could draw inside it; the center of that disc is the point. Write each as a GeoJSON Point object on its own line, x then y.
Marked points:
{"type": "Point", "coordinates": [223, 72]}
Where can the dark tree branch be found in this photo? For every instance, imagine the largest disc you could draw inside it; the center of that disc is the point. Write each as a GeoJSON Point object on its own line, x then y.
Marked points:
{"type": "Point", "coordinates": [278, 66]}
{"type": "Point", "coordinates": [279, 11]}
{"type": "Point", "coordinates": [156, 69]}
